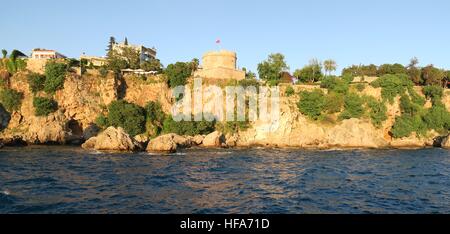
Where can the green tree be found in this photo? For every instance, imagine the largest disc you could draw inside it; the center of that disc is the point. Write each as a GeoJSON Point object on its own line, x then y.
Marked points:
{"type": "Point", "coordinates": [44, 106]}
{"type": "Point", "coordinates": [414, 72]}
{"type": "Point", "coordinates": [152, 65]}
{"type": "Point", "coordinates": [271, 69]}
{"type": "Point", "coordinates": [178, 73]}
{"type": "Point", "coordinates": [112, 41]}
{"type": "Point", "coordinates": [310, 73]}
{"type": "Point", "coordinates": [126, 41]}
{"type": "Point", "coordinates": [195, 62]}
{"type": "Point", "coordinates": [132, 57]}
{"type": "Point", "coordinates": [129, 116]}
{"type": "Point", "coordinates": [4, 53]}
{"type": "Point", "coordinates": [330, 66]}
{"type": "Point", "coordinates": [432, 75]}
{"type": "Point", "coordinates": [392, 69]}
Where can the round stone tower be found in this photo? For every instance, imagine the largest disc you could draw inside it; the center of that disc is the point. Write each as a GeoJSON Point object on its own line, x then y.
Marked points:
{"type": "Point", "coordinates": [222, 59]}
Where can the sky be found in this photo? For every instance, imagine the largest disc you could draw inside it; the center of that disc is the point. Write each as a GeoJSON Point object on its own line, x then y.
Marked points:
{"type": "Point", "coordinates": [348, 31]}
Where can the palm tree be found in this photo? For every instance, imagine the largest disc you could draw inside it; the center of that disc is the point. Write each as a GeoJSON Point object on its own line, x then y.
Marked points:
{"type": "Point", "coordinates": [329, 66]}
{"type": "Point", "coordinates": [4, 52]}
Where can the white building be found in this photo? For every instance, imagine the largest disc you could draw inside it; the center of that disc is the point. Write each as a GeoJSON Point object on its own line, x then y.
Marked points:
{"type": "Point", "coordinates": [45, 54]}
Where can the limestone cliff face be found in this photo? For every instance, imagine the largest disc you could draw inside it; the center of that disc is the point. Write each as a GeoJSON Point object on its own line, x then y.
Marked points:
{"type": "Point", "coordinates": [79, 103]}
{"type": "Point", "coordinates": [295, 130]}
{"type": "Point", "coordinates": [83, 98]}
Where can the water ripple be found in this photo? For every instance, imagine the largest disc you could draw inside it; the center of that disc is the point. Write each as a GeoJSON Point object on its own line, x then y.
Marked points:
{"type": "Point", "coordinates": [42, 179]}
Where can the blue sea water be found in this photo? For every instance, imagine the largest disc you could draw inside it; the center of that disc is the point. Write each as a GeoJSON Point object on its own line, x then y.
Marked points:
{"type": "Point", "coordinates": [61, 179]}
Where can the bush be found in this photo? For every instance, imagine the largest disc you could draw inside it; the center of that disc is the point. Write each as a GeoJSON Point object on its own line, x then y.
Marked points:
{"type": "Point", "coordinates": [405, 125]}
{"type": "Point", "coordinates": [434, 93]}
{"type": "Point", "coordinates": [377, 111]}
{"type": "Point", "coordinates": [333, 103]}
{"type": "Point", "coordinates": [55, 73]}
{"type": "Point", "coordinates": [360, 87]}
{"type": "Point", "coordinates": [11, 99]}
{"type": "Point", "coordinates": [231, 127]}
{"type": "Point", "coordinates": [178, 73]}
{"type": "Point", "coordinates": [44, 106]}
{"type": "Point", "coordinates": [4, 118]}
{"type": "Point", "coordinates": [334, 84]}
{"type": "Point", "coordinates": [129, 116]}
{"type": "Point", "coordinates": [353, 106]}
{"type": "Point", "coordinates": [410, 108]}
{"type": "Point", "coordinates": [312, 103]}
{"type": "Point", "coordinates": [102, 121]}
{"type": "Point", "coordinates": [36, 82]}
{"type": "Point", "coordinates": [392, 86]}
{"type": "Point", "coordinates": [190, 128]}
{"type": "Point", "coordinates": [438, 118]}
{"type": "Point", "coordinates": [289, 91]}
{"type": "Point", "coordinates": [154, 117]}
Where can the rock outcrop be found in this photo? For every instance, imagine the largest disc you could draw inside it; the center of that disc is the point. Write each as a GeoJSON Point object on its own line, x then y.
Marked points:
{"type": "Point", "coordinates": [445, 142]}
{"type": "Point", "coordinates": [168, 143]}
{"type": "Point", "coordinates": [214, 139]}
{"type": "Point", "coordinates": [112, 139]}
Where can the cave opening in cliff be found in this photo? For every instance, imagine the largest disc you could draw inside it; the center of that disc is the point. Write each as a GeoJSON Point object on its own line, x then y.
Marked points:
{"type": "Point", "coordinates": [75, 127]}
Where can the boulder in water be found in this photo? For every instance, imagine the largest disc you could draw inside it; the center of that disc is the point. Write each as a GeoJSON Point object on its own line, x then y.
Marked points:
{"type": "Point", "coordinates": [112, 139]}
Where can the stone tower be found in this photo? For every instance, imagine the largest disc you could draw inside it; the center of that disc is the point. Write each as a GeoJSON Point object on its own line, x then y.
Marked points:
{"type": "Point", "coordinates": [219, 65]}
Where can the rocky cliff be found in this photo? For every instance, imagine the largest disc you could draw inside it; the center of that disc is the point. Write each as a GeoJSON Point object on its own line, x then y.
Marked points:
{"type": "Point", "coordinates": [83, 98]}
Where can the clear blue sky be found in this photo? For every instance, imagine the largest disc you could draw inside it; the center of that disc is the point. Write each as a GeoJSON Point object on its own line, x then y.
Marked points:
{"type": "Point", "coordinates": [349, 31]}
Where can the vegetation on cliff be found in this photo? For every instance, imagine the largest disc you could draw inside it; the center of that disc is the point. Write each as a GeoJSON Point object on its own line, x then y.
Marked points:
{"type": "Point", "coordinates": [11, 99]}
{"type": "Point", "coordinates": [44, 106]}
{"type": "Point", "coordinates": [129, 116]}
{"type": "Point", "coordinates": [55, 74]}
{"type": "Point", "coordinates": [190, 128]}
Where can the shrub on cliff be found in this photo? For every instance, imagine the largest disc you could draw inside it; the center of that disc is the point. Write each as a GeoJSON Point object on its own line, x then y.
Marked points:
{"type": "Point", "coordinates": [190, 128]}
{"type": "Point", "coordinates": [36, 82]}
{"type": "Point", "coordinates": [434, 93]}
{"type": "Point", "coordinates": [289, 91]}
{"type": "Point", "coordinates": [405, 125]}
{"type": "Point", "coordinates": [11, 99]}
{"type": "Point", "coordinates": [102, 121]}
{"type": "Point", "coordinates": [178, 73]}
{"type": "Point", "coordinates": [438, 118]}
{"type": "Point", "coordinates": [334, 84]}
{"type": "Point", "coordinates": [55, 75]}
{"type": "Point", "coordinates": [44, 106]}
{"type": "Point", "coordinates": [312, 103]}
{"type": "Point", "coordinates": [377, 111]}
{"type": "Point", "coordinates": [129, 116]}
{"type": "Point", "coordinates": [392, 85]}
{"type": "Point", "coordinates": [353, 106]}
{"type": "Point", "coordinates": [333, 103]}
{"type": "Point", "coordinates": [154, 117]}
